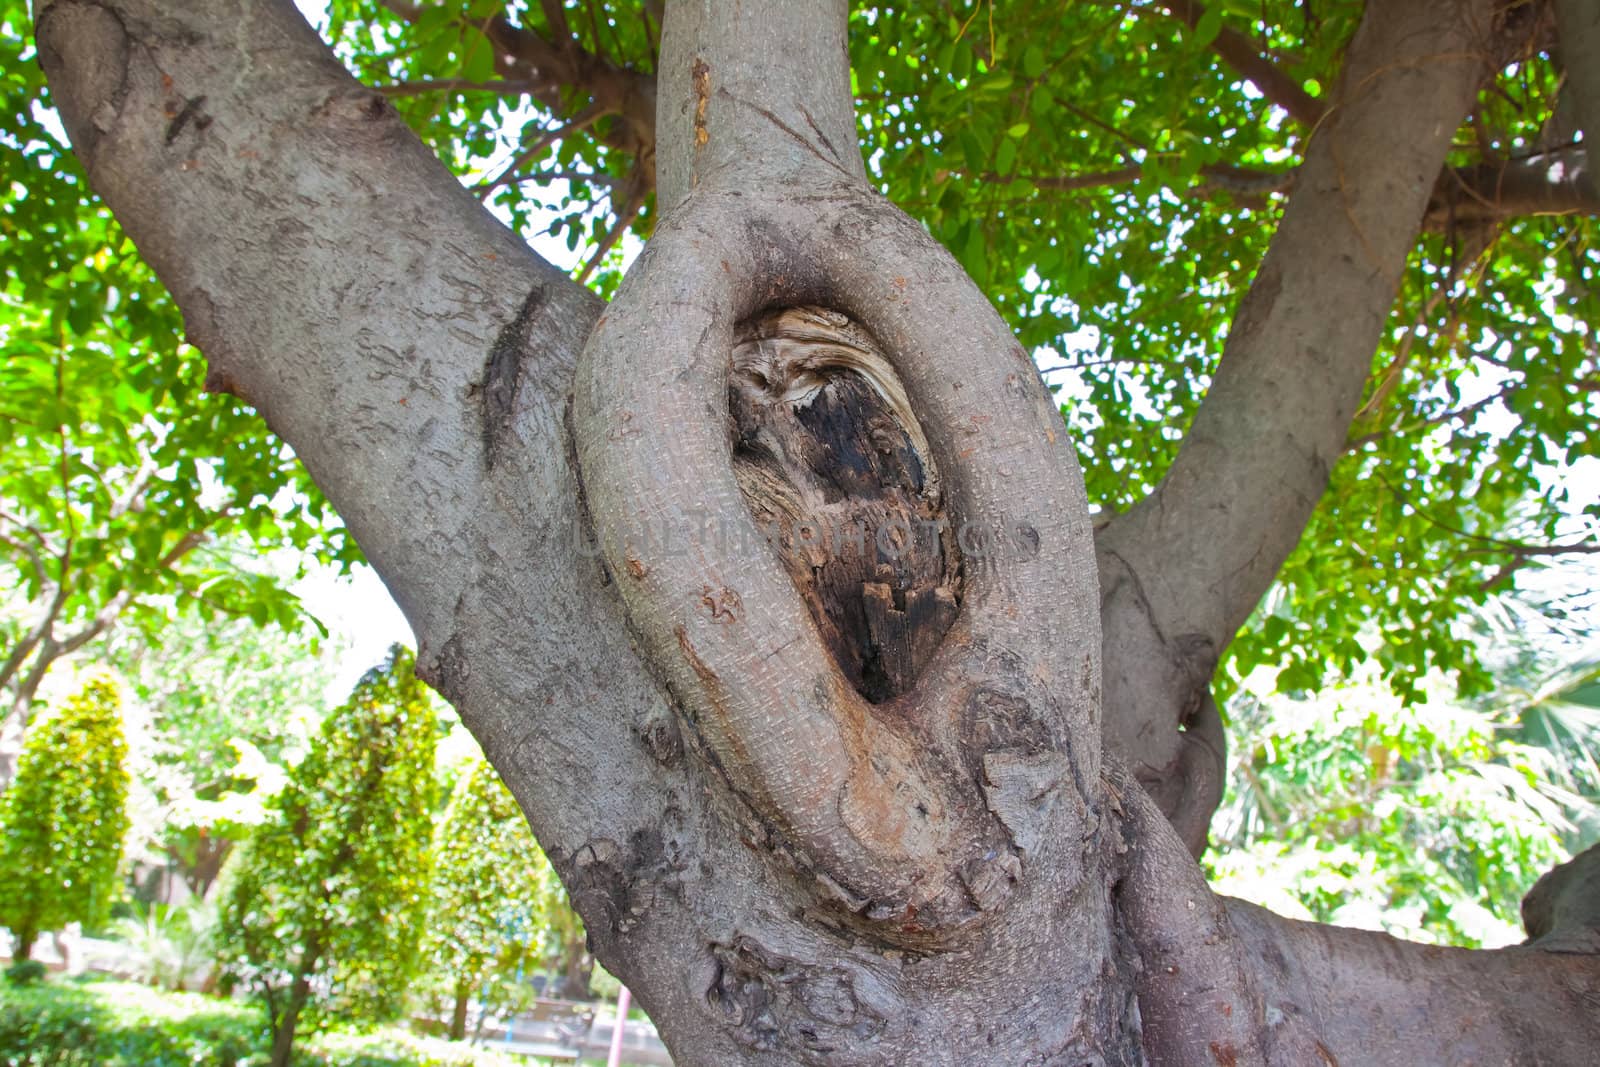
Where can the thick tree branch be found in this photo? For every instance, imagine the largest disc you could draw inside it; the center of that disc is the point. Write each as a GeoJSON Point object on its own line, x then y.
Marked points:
{"type": "Point", "coordinates": [1369, 998]}
{"type": "Point", "coordinates": [1256, 459]}
{"type": "Point", "coordinates": [242, 267]}
{"type": "Point", "coordinates": [555, 66]}
{"type": "Point", "coordinates": [419, 359]}
{"type": "Point", "coordinates": [1237, 50]}
{"type": "Point", "coordinates": [1578, 40]}
{"type": "Point", "coordinates": [1554, 183]}
{"type": "Point", "coordinates": [768, 206]}
{"type": "Point", "coordinates": [547, 70]}
{"type": "Point", "coordinates": [1236, 181]}
{"type": "Point", "coordinates": [1183, 569]}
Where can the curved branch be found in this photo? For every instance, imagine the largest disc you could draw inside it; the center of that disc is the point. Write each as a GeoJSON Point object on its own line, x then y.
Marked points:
{"type": "Point", "coordinates": [1236, 50]}
{"type": "Point", "coordinates": [1257, 457]}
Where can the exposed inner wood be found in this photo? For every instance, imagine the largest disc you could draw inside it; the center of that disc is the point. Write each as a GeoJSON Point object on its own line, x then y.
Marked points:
{"type": "Point", "coordinates": [836, 470]}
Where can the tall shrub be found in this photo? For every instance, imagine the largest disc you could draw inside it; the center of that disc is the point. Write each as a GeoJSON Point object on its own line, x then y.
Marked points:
{"type": "Point", "coordinates": [64, 817]}
{"type": "Point", "coordinates": [324, 911]}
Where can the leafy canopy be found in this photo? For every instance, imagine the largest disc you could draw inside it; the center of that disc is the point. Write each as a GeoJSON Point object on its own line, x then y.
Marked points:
{"type": "Point", "coordinates": [493, 894]}
{"type": "Point", "coordinates": [228, 705]}
{"type": "Point", "coordinates": [118, 472]}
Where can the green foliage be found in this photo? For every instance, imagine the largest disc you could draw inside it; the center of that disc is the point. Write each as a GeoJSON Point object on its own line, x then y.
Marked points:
{"type": "Point", "coordinates": [64, 817]}
{"type": "Point", "coordinates": [25, 972]}
{"type": "Point", "coordinates": [1429, 819]}
{"type": "Point", "coordinates": [1109, 181]}
{"type": "Point", "coordinates": [325, 907]}
{"type": "Point", "coordinates": [491, 895]}
{"type": "Point", "coordinates": [228, 704]}
{"type": "Point", "coordinates": [495, 140]}
{"type": "Point", "coordinates": [118, 1025]}
{"type": "Point", "coordinates": [1074, 159]}
{"type": "Point", "coordinates": [118, 472]}
{"type": "Point", "coordinates": [115, 1024]}
{"type": "Point", "coordinates": [177, 943]}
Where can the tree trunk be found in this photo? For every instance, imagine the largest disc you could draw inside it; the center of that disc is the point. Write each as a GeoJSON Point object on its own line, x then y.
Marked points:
{"type": "Point", "coordinates": [575, 970]}
{"type": "Point", "coordinates": [458, 1013]}
{"type": "Point", "coordinates": [284, 1026]}
{"type": "Point", "coordinates": [22, 944]}
{"type": "Point", "coordinates": [785, 860]}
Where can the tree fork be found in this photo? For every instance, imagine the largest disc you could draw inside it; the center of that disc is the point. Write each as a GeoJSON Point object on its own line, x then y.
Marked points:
{"type": "Point", "coordinates": [339, 279]}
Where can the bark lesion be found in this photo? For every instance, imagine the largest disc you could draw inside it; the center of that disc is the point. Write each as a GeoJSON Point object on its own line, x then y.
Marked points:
{"type": "Point", "coordinates": [773, 1002]}
{"type": "Point", "coordinates": [836, 470]}
{"type": "Point", "coordinates": [503, 370]}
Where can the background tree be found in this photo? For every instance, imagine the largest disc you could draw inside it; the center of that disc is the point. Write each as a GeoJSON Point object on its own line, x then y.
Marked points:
{"type": "Point", "coordinates": [780, 864]}
{"type": "Point", "coordinates": [1428, 818]}
{"type": "Point", "coordinates": [488, 899]}
{"type": "Point", "coordinates": [63, 819]}
{"type": "Point", "coordinates": [325, 908]}
{"type": "Point", "coordinates": [230, 705]}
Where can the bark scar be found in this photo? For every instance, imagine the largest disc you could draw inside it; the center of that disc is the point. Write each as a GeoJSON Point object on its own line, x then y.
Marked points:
{"type": "Point", "coordinates": [785, 127]}
{"type": "Point", "coordinates": [502, 374]}
{"type": "Point", "coordinates": [189, 112]}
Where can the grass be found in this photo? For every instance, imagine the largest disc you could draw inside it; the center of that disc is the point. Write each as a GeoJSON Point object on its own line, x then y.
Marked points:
{"type": "Point", "coordinates": [71, 1023]}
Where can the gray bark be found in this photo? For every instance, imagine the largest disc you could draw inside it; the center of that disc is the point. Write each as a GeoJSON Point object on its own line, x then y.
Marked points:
{"type": "Point", "coordinates": [1578, 40]}
{"type": "Point", "coordinates": [781, 873]}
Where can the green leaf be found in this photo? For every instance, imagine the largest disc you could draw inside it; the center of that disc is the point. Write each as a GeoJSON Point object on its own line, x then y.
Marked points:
{"type": "Point", "coordinates": [1208, 26]}
{"type": "Point", "coordinates": [1033, 61]}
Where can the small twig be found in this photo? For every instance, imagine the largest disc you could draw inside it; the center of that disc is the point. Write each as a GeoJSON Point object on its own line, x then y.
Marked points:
{"type": "Point", "coordinates": [1454, 415]}
{"type": "Point", "coordinates": [1521, 549]}
{"type": "Point", "coordinates": [583, 120]}
{"type": "Point", "coordinates": [625, 217]}
{"type": "Point", "coordinates": [32, 553]}
{"type": "Point", "coordinates": [456, 85]}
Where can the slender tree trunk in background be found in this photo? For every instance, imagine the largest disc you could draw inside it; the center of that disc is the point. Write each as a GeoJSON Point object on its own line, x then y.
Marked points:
{"type": "Point", "coordinates": [576, 968]}
{"type": "Point", "coordinates": [787, 858]}
{"type": "Point", "coordinates": [286, 1024]}
{"type": "Point", "coordinates": [22, 944]}
{"type": "Point", "coordinates": [458, 1013]}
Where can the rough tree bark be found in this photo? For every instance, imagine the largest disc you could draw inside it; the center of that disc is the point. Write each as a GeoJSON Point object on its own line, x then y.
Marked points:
{"type": "Point", "coordinates": [785, 863]}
